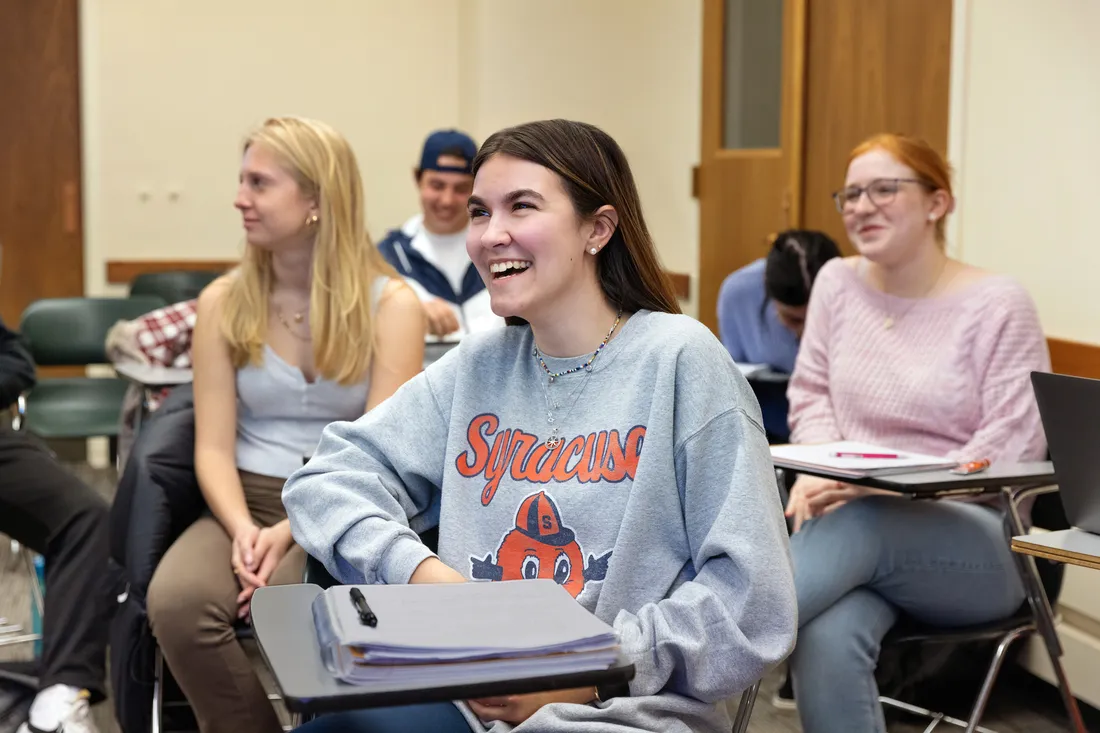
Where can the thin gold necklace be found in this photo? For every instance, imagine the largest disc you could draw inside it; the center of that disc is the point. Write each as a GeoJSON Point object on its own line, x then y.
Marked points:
{"type": "Point", "coordinates": [298, 317]}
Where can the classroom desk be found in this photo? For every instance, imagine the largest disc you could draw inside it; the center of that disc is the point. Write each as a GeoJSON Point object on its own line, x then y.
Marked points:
{"type": "Point", "coordinates": [282, 618]}
{"type": "Point", "coordinates": [1071, 546]}
{"type": "Point", "coordinates": [145, 375]}
{"type": "Point", "coordinates": [940, 484]}
{"type": "Point", "coordinates": [763, 373]}
{"type": "Point", "coordinates": [1009, 483]}
{"type": "Point", "coordinates": [436, 346]}
{"type": "Point", "coordinates": [147, 378]}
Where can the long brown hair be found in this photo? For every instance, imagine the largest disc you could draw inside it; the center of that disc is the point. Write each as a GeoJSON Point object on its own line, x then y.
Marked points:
{"type": "Point", "coordinates": [595, 173]}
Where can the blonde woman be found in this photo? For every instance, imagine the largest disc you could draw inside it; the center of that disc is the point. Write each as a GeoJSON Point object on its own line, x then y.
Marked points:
{"type": "Point", "coordinates": [312, 327]}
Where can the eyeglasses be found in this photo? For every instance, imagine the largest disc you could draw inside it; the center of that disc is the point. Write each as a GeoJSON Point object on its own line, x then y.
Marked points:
{"type": "Point", "coordinates": [880, 191]}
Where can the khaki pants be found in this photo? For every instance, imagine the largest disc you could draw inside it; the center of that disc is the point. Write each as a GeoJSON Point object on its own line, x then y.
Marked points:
{"type": "Point", "coordinates": [192, 607]}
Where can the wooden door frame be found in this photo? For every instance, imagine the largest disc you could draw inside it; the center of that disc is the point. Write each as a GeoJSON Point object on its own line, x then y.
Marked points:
{"type": "Point", "coordinates": [66, 20]}
{"type": "Point", "coordinates": [793, 93]}
{"type": "Point", "coordinates": [792, 123]}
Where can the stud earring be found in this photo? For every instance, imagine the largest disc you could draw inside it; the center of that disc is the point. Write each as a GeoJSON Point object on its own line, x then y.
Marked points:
{"type": "Point", "coordinates": [593, 250]}
{"type": "Point", "coordinates": [931, 217]}
{"type": "Point", "coordinates": [311, 220]}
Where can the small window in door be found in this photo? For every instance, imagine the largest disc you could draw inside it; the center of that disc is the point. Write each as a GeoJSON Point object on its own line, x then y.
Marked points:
{"type": "Point", "coordinates": [753, 74]}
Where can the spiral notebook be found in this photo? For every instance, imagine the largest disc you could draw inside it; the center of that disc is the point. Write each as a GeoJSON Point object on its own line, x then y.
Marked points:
{"type": "Point", "coordinates": [460, 633]}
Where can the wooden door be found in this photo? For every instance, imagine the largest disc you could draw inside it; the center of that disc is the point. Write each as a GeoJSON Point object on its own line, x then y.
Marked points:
{"type": "Point", "coordinates": [41, 238]}
{"type": "Point", "coordinates": [871, 66]}
{"type": "Point", "coordinates": [750, 164]}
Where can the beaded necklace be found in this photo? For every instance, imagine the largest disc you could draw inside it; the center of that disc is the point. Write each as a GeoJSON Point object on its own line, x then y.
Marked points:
{"type": "Point", "coordinates": [587, 366]}
{"type": "Point", "coordinates": [554, 439]}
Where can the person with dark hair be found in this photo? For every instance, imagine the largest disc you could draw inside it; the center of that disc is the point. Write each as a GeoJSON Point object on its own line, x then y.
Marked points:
{"type": "Point", "coordinates": [637, 474]}
{"type": "Point", "coordinates": [761, 310]}
{"type": "Point", "coordinates": [429, 250]}
{"type": "Point", "coordinates": [51, 511]}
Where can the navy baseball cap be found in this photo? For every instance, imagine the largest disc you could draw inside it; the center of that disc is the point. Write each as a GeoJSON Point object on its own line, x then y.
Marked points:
{"type": "Point", "coordinates": [448, 142]}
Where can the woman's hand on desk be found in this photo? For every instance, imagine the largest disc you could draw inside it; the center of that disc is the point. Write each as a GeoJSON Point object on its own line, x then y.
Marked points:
{"type": "Point", "coordinates": [515, 709]}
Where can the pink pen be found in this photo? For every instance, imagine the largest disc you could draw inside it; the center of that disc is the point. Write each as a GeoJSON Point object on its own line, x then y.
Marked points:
{"type": "Point", "coordinates": [866, 455]}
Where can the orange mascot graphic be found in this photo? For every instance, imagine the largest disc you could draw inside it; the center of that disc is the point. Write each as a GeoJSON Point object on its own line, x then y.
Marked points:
{"type": "Point", "coordinates": [541, 547]}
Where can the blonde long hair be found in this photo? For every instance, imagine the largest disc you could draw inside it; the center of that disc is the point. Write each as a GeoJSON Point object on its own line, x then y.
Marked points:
{"type": "Point", "coordinates": [345, 261]}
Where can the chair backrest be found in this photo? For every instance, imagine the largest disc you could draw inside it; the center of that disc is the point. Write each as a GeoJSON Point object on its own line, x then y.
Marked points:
{"type": "Point", "coordinates": [175, 286]}
{"type": "Point", "coordinates": [73, 331]}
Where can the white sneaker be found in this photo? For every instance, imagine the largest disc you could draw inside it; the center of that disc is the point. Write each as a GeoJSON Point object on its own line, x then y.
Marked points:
{"type": "Point", "coordinates": [60, 709]}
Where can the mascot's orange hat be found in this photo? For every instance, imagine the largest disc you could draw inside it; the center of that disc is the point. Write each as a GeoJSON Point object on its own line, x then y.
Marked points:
{"type": "Point", "coordinates": [538, 518]}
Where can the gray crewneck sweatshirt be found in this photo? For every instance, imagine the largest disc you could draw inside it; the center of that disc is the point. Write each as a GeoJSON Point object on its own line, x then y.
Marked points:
{"type": "Point", "coordinates": [658, 510]}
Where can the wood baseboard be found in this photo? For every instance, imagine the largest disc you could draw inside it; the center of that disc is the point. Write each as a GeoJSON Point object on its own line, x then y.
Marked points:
{"type": "Point", "coordinates": [123, 272]}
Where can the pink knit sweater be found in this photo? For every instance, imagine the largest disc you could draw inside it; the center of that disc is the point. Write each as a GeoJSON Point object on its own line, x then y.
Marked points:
{"type": "Point", "coordinates": [950, 378]}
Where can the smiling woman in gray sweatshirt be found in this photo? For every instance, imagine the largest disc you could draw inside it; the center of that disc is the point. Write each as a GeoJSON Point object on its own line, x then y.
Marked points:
{"type": "Point", "coordinates": [636, 475]}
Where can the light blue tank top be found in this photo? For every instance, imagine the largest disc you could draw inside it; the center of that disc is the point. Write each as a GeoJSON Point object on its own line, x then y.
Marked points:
{"type": "Point", "coordinates": [280, 415]}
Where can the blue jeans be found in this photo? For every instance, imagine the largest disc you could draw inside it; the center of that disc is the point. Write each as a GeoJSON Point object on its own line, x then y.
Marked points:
{"type": "Point", "coordinates": [440, 717]}
{"type": "Point", "coordinates": [941, 562]}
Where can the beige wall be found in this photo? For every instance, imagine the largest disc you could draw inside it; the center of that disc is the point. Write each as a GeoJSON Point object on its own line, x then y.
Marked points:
{"type": "Point", "coordinates": [630, 66]}
{"type": "Point", "coordinates": [170, 88]}
{"type": "Point", "coordinates": [1024, 139]}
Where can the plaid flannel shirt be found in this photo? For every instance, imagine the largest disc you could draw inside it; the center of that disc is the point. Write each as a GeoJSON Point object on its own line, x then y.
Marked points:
{"type": "Point", "coordinates": [163, 336]}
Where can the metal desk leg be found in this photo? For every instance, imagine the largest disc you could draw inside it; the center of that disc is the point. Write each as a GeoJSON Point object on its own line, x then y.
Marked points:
{"type": "Point", "coordinates": [1040, 606]}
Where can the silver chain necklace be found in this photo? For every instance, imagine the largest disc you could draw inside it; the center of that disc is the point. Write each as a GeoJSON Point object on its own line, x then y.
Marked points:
{"type": "Point", "coordinates": [553, 440]}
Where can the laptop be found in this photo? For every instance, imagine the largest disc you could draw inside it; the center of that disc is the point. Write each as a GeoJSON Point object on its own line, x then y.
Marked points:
{"type": "Point", "coordinates": [1070, 410]}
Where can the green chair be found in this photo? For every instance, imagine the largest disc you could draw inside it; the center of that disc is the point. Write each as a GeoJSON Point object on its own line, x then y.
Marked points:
{"type": "Point", "coordinates": [175, 286]}
{"type": "Point", "coordinates": [72, 332]}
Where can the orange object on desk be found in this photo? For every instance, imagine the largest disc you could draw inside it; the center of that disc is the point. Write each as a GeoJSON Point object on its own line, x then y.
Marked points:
{"type": "Point", "coordinates": [966, 469]}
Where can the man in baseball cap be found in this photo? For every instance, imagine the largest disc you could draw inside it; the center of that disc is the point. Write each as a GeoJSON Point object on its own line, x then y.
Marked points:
{"type": "Point", "coordinates": [429, 250]}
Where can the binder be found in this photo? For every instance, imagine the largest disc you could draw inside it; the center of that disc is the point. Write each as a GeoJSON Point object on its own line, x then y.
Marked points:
{"type": "Point", "coordinates": [460, 633]}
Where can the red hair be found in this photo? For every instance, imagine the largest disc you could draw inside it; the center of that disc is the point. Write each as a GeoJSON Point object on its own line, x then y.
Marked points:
{"type": "Point", "coordinates": [915, 153]}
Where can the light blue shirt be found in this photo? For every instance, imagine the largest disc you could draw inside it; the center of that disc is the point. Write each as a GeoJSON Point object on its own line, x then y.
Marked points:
{"type": "Point", "coordinates": [280, 415]}
{"type": "Point", "coordinates": [749, 327]}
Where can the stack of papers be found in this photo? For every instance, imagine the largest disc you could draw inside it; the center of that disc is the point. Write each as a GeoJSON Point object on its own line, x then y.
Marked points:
{"type": "Point", "coordinates": [460, 633]}
{"type": "Point", "coordinates": [751, 370]}
{"type": "Point", "coordinates": [850, 459]}
{"type": "Point", "coordinates": [761, 373]}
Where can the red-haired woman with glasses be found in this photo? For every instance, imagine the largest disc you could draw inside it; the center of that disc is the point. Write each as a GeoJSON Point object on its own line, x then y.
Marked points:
{"type": "Point", "coordinates": [905, 347]}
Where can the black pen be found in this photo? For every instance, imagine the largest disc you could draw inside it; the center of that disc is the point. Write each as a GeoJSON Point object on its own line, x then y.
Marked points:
{"type": "Point", "coordinates": [366, 616]}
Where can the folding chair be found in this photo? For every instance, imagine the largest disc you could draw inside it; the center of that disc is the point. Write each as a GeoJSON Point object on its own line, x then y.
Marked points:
{"type": "Point", "coordinates": [1025, 622]}
{"type": "Point", "coordinates": [72, 332]}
